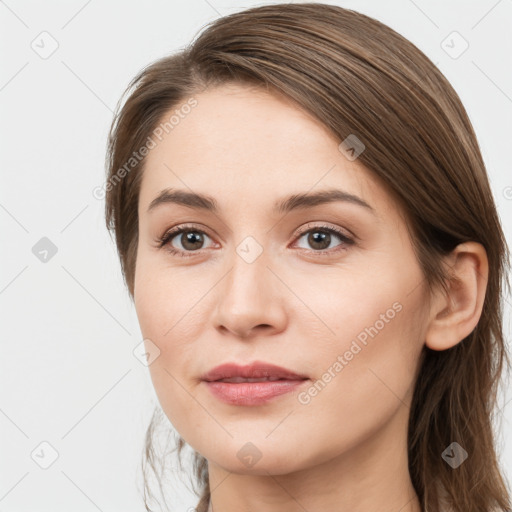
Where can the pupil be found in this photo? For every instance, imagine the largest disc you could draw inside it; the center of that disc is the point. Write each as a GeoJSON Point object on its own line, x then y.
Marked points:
{"type": "Point", "coordinates": [191, 237]}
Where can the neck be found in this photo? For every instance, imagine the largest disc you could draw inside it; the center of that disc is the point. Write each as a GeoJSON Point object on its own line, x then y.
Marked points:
{"type": "Point", "coordinates": [374, 475]}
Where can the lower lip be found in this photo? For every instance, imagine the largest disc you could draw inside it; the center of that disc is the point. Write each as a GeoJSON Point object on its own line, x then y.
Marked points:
{"type": "Point", "coordinates": [252, 393]}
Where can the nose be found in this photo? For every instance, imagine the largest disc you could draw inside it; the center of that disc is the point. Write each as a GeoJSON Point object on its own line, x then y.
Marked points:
{"type": "Point", "coordinates": [251, 300]}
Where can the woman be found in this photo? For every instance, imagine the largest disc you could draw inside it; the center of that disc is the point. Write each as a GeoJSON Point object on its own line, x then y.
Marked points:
{"type": "Point", "coordinates": [306, 227]}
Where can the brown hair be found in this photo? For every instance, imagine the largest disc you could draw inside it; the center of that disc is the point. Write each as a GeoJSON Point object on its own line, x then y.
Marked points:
{"type": "Point", "coordinates": [358, 76]}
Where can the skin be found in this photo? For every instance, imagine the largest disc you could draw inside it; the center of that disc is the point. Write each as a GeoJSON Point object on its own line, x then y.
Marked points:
{"type": "Point", "coordinates": [346, 449]}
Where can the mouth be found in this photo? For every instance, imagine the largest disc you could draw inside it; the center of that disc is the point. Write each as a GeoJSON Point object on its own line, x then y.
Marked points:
{"type": "Point", "coordinates": [253, 384]}
{"type": "Point", "coordinates": [255, 372]}
{"type": "Point", "coordinates": [262, 379]}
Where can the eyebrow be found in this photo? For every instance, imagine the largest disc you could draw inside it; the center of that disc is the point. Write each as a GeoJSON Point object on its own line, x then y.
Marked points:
{"type": "Point", "coordinates": [293, 202]}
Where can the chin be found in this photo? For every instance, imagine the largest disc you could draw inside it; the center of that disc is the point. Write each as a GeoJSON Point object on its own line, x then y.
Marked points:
{"type": "Point", "coordinates": [248, 461]}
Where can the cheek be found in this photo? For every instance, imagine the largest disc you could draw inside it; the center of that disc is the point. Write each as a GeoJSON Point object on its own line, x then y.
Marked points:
{"type": "Point", "coordinates": [170, 314]}
{"type": "Point", "coordinates": [340, 304]}
{"type": "Point", "coordinates": [368, 340]}
{"type": "Point", "coordinates": [363, 381]}
{"type": "Point", "coordinates": [163, 296]}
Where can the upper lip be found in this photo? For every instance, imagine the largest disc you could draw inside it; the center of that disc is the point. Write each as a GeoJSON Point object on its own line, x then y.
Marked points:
{"type": "Point", "coordinates": [253, 370]}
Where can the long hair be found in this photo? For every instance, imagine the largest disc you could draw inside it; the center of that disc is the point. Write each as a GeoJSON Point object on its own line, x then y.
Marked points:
{"type": "Point", "coordinates": [357, 76]}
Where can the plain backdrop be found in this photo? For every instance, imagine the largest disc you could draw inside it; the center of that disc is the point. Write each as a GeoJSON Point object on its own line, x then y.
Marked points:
{"type": "Point", "coordinates": [73, 396]}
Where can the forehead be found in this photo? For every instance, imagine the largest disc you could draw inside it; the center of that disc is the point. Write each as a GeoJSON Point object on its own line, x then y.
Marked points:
{"type": "Point", "coordinates": [244, 144]}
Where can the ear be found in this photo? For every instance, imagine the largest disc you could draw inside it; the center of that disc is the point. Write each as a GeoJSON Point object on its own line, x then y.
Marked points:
{"type": "Point", "coordinates": [454, 315]}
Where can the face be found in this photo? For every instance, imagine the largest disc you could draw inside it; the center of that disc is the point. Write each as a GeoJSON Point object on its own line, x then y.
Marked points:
{"type": "Point", "coordinates": [330, 290]}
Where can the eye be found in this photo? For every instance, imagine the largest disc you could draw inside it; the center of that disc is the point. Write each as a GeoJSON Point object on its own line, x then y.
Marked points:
{"type": "Point", "coordinates": [191, 240]}
{"type": "Point", "coordinates": [321, 237]}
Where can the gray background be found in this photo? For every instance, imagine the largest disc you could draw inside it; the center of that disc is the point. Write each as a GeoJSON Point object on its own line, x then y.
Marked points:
{"type": "Point", "coordinates": [69, 377]}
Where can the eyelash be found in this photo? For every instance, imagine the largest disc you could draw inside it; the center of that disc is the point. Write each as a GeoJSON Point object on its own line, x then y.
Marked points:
{"type": "Point", "coordinates": [169, 235]}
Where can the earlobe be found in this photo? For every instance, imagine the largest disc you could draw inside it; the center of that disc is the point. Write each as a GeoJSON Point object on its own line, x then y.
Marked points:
{"type": "Point", "coordinates": [455, 315]}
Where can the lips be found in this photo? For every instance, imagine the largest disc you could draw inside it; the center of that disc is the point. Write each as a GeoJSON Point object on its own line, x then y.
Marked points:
{"type": "Point", "coordinates": [255, 384]}
{"type": "Point", "coordinates": [254, 372]}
